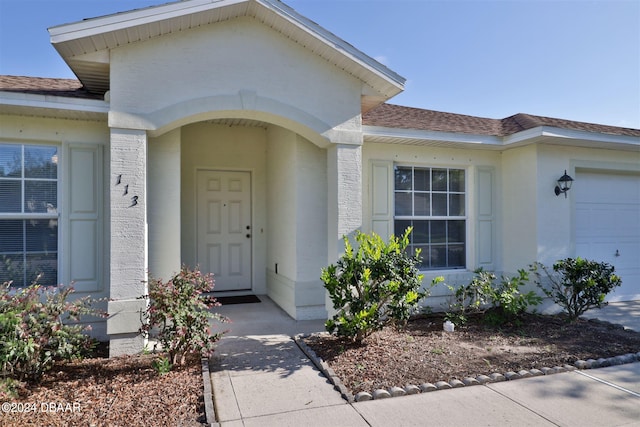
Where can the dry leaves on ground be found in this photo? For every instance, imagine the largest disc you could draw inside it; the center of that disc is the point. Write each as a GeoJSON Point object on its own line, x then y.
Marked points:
{"type": "Point", "coordinates": [425, 353]}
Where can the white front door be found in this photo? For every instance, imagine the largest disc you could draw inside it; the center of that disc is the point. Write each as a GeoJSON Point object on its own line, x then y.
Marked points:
{"type": "Point", "coordinates": [608, 226]}
{"type": "Point", "coordinates": [224, 228]}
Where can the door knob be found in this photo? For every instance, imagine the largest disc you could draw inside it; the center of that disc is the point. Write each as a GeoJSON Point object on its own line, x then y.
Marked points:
{"type": "Point", "coordinates": [248, 236]}
{"type": "Point", "coordinates": [617, 252]}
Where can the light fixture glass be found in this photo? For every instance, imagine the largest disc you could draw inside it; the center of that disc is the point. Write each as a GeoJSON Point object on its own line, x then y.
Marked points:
{"type": "Point", "coordinates": [564, 184]}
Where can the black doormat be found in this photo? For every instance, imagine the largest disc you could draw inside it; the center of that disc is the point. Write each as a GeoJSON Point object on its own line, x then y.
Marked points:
{"type": "Point", "coordinates": [240, 299]}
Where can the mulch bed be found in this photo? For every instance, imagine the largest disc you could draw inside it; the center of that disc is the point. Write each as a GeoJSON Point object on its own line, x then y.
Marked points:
{"type": "Point", "coordinates": [122, 391]}
{"type": "Point", "coordinates": [423, 352]}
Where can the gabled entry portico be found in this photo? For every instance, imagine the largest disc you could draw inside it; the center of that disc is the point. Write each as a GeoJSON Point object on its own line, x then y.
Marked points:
{"type": "Point", "coordinates": [207, 99]}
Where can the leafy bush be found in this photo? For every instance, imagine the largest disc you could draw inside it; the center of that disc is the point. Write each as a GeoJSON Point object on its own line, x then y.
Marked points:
{"type": "Point", "coordinates": [577, 284]}
{"type": "Point", "coordinates": [161, 365]}
{"type": "Point", "coordinates": [373, 286]}
{"type": "Point", "coordinates": [35, 329]}
{"type": "Point", "coordinates": [9, 389]}
{"type": "Point", "coordinates": [501, 302]}
{"type": "Point", "coordinates": [181, 314]}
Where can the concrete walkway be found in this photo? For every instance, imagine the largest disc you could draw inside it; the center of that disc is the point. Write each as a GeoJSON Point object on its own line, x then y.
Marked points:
{"type": "Point", "coordinates": [261, 378]}
{"type": "Point", "coordinates": [625, 313]}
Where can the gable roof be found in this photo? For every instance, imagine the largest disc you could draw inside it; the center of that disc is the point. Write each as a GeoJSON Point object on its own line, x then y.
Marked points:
{"type": "Point", "coordinates": [85, 45]}
{"type": "Point", "coordinates": [400, 117]}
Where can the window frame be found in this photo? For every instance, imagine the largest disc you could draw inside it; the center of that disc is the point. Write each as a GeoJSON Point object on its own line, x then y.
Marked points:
{"type": "Point", "coordinates": [430, 217]}
{"type": "Point", "coordinates": [23, 215]}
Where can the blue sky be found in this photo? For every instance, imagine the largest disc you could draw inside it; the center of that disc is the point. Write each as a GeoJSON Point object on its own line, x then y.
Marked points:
{"type": "Point", "coordinates": [572, 59]}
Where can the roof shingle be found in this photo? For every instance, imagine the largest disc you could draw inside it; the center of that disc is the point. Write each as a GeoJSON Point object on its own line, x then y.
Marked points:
{"type": "Point", "coordinates": [396, 116]}
{"type": "Point", "coordinates": [69, 88]}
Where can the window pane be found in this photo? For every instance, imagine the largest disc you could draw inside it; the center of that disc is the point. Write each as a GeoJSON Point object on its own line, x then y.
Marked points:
{"type": "Point", "coordinates": [40, 196]}
{"type": "Point", "coordinates": [439, 179]}
{"type": "Point", "coordinates": [421, 204]}
{"type": "Point", "coordinates": [421, 180]}
{"type": "Point", "coordinates": [456, 180]}
{"type": "Point", "coordinates": [403, 178]}
{"type": "Point", "coordinates": [438, 231]}
{"type": "Point", "coordinates": [403, 204]}
{"type": "Point", "coordinates": [439, 205]}
{"type": "Point", "coordinates": [438, 256]}
{"type": "Point", "coordinates": [400, 227]}
{"type": "Point", "coordinates": [11, 235]}
{"type": "Point", "coordinates": [424, 255]}
{"type": "Point", "coordinates": [11, 161]}
{"type": "Point", "coordinates": [456, 256]}
{"type": "Point", "coordinates": [42, 235]}
{"type": "Point", "coordinates": [420, 232]}
{"type": "Point", "coordinates": [12, 269]}
{"type": "Point", "coordinates": [45, 265]}
{"type": "Point", "coordinates": [456, 204]}
{"type": "Point", "coordinates": [40, 162]}
{"type": "Point", "coordinates": [10, 196]}
{"type": "Point", "coordinates": [456, 231]}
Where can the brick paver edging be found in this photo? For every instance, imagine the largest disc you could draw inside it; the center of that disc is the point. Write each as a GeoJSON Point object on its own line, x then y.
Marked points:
{"type": "Point", "coordinates": [465, 382]}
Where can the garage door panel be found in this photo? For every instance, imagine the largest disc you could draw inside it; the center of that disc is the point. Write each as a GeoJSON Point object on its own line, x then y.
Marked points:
{"type": "Point", "coordinates": [594, 220]}
{"type": "Point", "coordinates": [607, 226]}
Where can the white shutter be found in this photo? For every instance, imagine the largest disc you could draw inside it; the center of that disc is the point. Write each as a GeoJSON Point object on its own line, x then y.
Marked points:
{"type": "Point", "coordinates": [485, 226]}
{"type": "Point", "coordinates": [381, 192]}
{"type": "Point", "coordinates": [83, 253]}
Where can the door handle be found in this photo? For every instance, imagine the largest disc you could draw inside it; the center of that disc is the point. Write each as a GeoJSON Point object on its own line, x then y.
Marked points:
{"type": "Point", "coordinates": [617, 253]}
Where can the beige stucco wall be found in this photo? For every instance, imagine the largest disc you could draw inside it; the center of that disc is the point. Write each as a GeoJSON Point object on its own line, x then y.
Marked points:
{"type": "Point", "coordinates": [520, 207]}
{"type": "Point", "coordinates": [239, 66]}
{"type": "Point", "coordinates": [297, 212]}
{"type": "Point", "coordinates": [164, 210]}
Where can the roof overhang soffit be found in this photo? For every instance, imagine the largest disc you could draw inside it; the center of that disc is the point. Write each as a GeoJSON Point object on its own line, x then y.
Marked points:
{"type": "Point", "coordinates": [538, 135]}
{"type": "Point", "coordinates": [85, 45]}
{"type": "Point", "coordinates": [35, 105]}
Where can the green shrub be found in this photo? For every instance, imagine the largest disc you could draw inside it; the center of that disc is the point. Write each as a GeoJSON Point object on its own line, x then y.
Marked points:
{"type": "Point", "coordinates": [9, 389]}
{"type": "Point", "coordinates": [181, 315]}
{"type": "Point", "coordinates": [577, 284]}
{"type": "Point", "coordinates": [499, 302]}
{"type": "Point", "coordinates": [161, 365]}
{"type": "Point", "coordinates": [375, 285]}
{"type": "Point", "coordinates": [36, 330]}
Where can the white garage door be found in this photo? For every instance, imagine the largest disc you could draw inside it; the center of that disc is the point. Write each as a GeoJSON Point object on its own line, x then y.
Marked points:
{"type": "Point", "coordinates": [608, 226]}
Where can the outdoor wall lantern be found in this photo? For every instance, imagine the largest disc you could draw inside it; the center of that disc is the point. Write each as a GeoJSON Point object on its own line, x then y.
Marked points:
{"type": "Point", "coordinates": [564, 184]}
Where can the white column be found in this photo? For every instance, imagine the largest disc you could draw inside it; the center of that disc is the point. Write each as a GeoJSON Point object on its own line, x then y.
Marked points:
{"type": "Point", "coordinates": [344, 199]}
{"type": "Point", "coordinates": [128, 255]}
{"type": "Point", "coordinates": [344, 172]}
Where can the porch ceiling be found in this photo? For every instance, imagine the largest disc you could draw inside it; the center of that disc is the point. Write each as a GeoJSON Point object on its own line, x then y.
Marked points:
{"type": "Point", "coordinates": [239, 122]}
{"type": "Point", "coordinates": [85, 45]}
